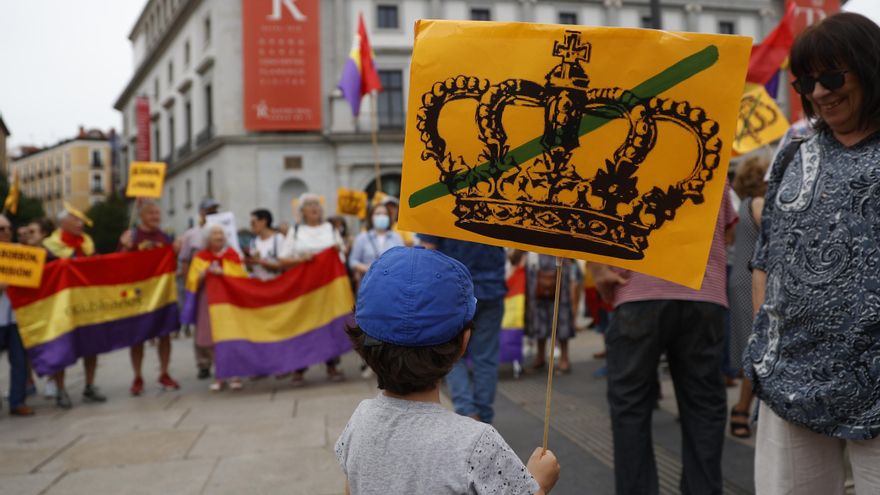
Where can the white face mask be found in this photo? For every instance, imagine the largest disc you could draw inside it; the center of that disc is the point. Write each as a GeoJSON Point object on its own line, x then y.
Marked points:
{"type": "Point", "coordinates": [381, 222]}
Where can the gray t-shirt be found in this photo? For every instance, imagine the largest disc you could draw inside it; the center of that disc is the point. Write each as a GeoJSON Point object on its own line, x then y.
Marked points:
{"type": "Point", "coordinates": [400, 446]}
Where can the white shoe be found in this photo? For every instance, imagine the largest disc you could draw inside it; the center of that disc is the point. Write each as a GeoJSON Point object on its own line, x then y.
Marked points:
{"type": "Point", "coordinates": [50, 390]}
{"type": "Point", "coordinates": [216, 386]}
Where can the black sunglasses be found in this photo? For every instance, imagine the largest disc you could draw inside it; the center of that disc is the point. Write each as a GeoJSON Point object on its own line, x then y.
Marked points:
{"type": "Point", "coordinates": [830, 81]}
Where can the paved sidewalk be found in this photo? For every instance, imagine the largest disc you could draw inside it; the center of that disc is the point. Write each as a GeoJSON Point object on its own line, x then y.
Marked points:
{"type": "Point", "coordinates": [270, 438]}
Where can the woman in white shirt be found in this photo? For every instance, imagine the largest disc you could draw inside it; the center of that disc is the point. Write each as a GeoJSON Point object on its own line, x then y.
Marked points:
{"type": "Point", "coordinates": [265, 249]}
{"type": "Point", "coordinates": [304, 240]}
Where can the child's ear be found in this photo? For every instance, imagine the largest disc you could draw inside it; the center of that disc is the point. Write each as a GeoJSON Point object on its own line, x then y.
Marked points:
{"type": "Point", "coordinates": [464, 343]}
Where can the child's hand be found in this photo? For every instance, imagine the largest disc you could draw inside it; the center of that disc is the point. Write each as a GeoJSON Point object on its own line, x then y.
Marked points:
{"type": "Point", "coordinates": [544, 468]}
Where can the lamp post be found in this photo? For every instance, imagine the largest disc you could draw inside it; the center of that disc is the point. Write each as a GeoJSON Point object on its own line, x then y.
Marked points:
{"type": "Point", "coordinates": [656, 21]}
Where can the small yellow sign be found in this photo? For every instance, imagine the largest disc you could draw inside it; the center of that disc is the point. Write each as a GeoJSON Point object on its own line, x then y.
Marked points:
{"type": "Point", "coordinates": [21, 266]}
{"type": "Point", "coordinates": [145, 179]}
{"type": "Point", "coordinates": [760, 121]}
{"type": "Point", "coordinates": [350, 202]}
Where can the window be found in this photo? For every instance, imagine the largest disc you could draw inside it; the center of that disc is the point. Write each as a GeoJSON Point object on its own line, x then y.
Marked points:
{"type": "Point", "coordinates": [726, 27]}
{"type": "Point", "coordinates": [207, 28]}
{"type": "Point", "coordinates": [386, 17]}
{"type": "Point", "coordinates": [186, 54]}
{"type": "Point", "coordinates": [97, 161]}
{"type": "Point", "coordinates": [97, 186]}
{"type": "Point", "coordinates": [171, 131]}
{"type": "Point", "coordinates": [209, 181]}
{"type": "Point", "coordinates": [170, 72]}
{"type": "Point", "coordinates": [156, 88]}
{"type": "Point", "coordinates": [568, 18]}
{"type": "Point", "coordinates": [67, 161]}
{"type": "Point", "coordinates": [189, 201]}
{"type": "Point", "coordinates": [481, 15]}
{"type": "Point", "coordinates": [390, 104]}
{"type": "Point", "coordinates": [187, 116]}
{"type": "Point", "coordinates": [209, 107]}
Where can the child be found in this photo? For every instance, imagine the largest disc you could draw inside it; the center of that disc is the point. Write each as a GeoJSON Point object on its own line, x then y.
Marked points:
{"type": "Point", "coordinates": [413, 315]}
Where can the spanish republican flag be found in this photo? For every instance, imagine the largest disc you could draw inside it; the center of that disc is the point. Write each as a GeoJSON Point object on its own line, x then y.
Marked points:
{"type": "Point", "coordinates": [514, 323]}
{"type": "Point", "coordinates": [281, 325]}
{"type": "Point", "coordinates": [229, 262]}
{"type": "Point", "coordinates": [359, 76]}
{"type": "Point", "coordinates": [88, 306]}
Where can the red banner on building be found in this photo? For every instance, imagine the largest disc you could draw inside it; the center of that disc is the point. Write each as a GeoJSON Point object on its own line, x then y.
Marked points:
{"type": "Point", "coordinates": [142, 121]}
{"type": "Point", "coordinates": [807, 13]}
{"type": "Point", "coordinates": [282, 65]}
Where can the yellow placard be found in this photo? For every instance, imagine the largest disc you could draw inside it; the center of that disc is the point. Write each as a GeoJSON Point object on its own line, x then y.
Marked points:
{"type": "Point", "coordinates": [21, 266]}
{"type": "Point", "coordinates": [760, 121]}
{"type": "Point", "coordinates": [145, 179]}
{"type": "Point", "coordinates": [350, 202]}
{"type": "Point", "coordinates": [607, 144]}
{"type": "Point", "coordinates": [379, 198]}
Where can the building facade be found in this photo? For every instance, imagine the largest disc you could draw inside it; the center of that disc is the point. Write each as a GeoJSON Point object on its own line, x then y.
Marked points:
{"type": "Point", "coordinates": [76, 170]}
{"type": "Point", "coordinates": [188, 58]}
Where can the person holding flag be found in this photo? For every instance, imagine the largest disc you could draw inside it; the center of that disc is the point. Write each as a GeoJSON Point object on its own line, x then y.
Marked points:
{"type": "Point", "coordinates": [148, 235]}
{"type": "Point", "coordinates": [69, 241]}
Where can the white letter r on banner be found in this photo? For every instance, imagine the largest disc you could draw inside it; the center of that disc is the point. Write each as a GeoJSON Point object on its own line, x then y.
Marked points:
{"type": "Point", "coordinates": [291, 7]}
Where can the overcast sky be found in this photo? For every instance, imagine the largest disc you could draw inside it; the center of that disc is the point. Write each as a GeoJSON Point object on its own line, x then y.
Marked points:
{"type": "Point", "coordinates": [64, 62]}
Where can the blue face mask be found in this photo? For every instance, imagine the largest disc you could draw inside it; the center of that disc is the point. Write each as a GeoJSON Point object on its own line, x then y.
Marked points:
{"type": "Point", "coordinates": [381, 222]}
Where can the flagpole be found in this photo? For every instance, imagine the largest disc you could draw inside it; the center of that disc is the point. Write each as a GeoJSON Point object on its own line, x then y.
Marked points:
{"type": "Point", "coordinates": [552, 353]}
{"type": "Point", "coordinates": [375, 131]}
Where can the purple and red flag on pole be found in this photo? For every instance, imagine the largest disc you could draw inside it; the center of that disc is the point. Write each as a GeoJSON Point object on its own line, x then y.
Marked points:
{"type": "Point", "coordinates": [359, 76]}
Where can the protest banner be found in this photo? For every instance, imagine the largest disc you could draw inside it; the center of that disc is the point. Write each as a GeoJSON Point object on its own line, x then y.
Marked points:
{"type": "Point", "coordinates": [96, 304]}
{"type": "Point", "coordinates": [145, 179]}
{"type": "Point", "coordinates": [21, 266]}
{"type": "Point", "coordinates": [760, 121]}
{"type": "Point", "coordinates": [350, 202]}
{"type": "Point", "coordinates": [282, 325]}
{"type": "Point", "coordinates": [607, 144]}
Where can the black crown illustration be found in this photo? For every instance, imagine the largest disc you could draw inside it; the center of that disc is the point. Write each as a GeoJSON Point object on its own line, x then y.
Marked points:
{"type": "Point", "coordinates": [541, 198]}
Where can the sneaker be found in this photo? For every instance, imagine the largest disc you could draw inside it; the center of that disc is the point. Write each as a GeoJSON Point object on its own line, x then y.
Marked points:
{"type": "Point", "coordinates": [137, 386]}
{"type": "Point", "coordinates": [62, 400]}
{"type": "Point", "coordinates": [216, 386]}
{"type": "Point", "coordinates": [91, 394]}
{"type": "Point", "coordinates": [235, 384]}
{"type": "Point", "coordinates": [204, 373]}
{"type": "Point", "coordinates": [168, 383]}
{"type": "Point", "coordinates": [51, 390]}
{"type": "Point", "coordinates": [21, 410]}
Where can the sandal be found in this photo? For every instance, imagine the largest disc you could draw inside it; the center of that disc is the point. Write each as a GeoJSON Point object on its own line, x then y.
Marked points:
{"type": "Point", "coordinates": [235, 384]}
{"type": "Point", "coordinates": [739, 429]}
{"type": "Point", "coordinates": [298, 380]}
{"type": "Point", "coordinates": [563, 370]}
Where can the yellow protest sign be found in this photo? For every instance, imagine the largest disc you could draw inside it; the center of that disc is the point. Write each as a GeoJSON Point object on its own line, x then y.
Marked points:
{"type": "Point", "coordinates": [379, 198]}
{"type": "Point", "coordinates": [607, 144]}
{"type": "Point", "coordinates": [21, 266]}
{"type": "Point", "coordinates": [350, 202]}
{"type": "Point", "coordinates": [145, 179]}
{"type": "Point", "coordinates": [760, 120]}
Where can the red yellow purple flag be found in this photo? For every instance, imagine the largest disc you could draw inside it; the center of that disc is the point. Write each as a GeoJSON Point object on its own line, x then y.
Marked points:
{"type": "Point", "coordinates": [514, 323]}
{"type": "Point", "coordinates": [88, 306]}
{"type": "Point", "coordinates": [281, 325]}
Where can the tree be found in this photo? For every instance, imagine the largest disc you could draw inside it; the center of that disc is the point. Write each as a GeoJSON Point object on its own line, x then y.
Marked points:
{"type": "Point", "coordinates": [111, 218]}
{"type": "Point", "coordinates": [29, 209]}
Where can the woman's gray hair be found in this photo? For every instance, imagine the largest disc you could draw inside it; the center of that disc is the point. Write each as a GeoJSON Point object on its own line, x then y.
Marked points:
{"type": "Point", "coordinates": [309, 198]}
{"type": "Point", "coordinates": [208, 229]}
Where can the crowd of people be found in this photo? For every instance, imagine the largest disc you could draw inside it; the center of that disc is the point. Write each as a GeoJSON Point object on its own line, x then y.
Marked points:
{"type": "Point", "coordinates": [789, 304]}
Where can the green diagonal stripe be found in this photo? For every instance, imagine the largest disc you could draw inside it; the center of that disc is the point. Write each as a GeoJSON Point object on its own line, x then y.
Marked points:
{"type": "Point", "coordinates": [669, 78]}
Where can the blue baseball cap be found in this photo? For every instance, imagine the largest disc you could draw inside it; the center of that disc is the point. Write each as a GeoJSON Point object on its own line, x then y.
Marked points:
{"type": "Point", "coordinates": [415, 297]}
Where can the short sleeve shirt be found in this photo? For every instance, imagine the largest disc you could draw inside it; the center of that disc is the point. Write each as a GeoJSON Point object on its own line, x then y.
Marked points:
{"type": "Point", "coordinates": [400, 446]}
{"type": "Point", "coordinates": [485, 263]}
{"type": "Point", "coordinates": [714, 289]}
{"type": "Point", "coordinates": [814, 353]}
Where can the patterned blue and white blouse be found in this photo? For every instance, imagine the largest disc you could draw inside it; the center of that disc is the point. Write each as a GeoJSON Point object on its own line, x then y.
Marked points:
{"type": "Point", "coordinates": [814, 354]}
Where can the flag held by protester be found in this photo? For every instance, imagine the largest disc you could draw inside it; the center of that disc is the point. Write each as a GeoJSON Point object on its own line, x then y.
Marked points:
{"type": "Point", "coordinates": [89, 306]}
{"type": "Point", "coordinates": [359, 76]}
{"type": "Point", "coordinates": [229, 262]}
{"type": "Point", "coordinates": [282, 325]}
{"type": "Point", "coordinates": [514, 322]}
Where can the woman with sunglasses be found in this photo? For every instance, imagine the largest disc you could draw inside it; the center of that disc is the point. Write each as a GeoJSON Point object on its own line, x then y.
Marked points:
{"type": "Point", "coordinates": [814, 355]}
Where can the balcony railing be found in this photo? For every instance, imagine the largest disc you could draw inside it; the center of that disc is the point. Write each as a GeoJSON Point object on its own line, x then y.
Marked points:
{"type": "Point", "coordinates": [184, 150]}
{"type": "Point", "coordinates": [203, 137]}
{"type": "Point", "coordinates": [97, 189]}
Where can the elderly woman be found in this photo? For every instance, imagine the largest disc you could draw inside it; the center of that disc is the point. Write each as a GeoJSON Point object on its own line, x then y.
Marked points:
{"type": "Point", "coordinates": [216, 259]}
{"type": "Point", "coordinates": [304, 240]}
{"type": "Point", "coordinates": [814, 355]}
{"type": "Point", "coordinates": [369, 245]}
